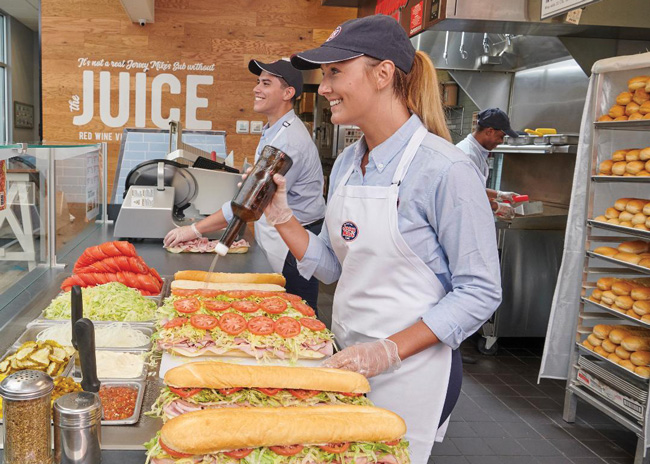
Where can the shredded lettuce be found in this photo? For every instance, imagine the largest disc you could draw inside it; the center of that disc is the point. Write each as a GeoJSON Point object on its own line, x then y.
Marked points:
{"type": "Point", "coordinates": [108, 302]}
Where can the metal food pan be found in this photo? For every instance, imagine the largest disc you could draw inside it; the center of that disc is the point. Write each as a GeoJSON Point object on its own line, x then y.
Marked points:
{"type": "Point", "coordinates": [562, 139]}
{"type": "Point", "coordinates": [135, 417]}
{"type": "Point", "coordinates": [67, 370]}
{"type": "Point", "coordinates": [139, 378]}
{"type": "Point", "coordinates": [35, 327]}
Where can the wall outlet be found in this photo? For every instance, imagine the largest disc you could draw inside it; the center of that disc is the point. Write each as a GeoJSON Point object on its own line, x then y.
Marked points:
{"type": "Point", "coordinates": [256, 127]}
{"type": "Point", "coordinates": [242, 127]}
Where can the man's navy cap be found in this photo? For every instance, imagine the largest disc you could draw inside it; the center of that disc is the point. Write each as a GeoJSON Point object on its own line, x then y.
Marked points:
{"type": "Point", "coordinates": [496, 119]}
{"type": "Point", "coordinates": [280, 68]}
{"type": "Point", "coordinates": [376, 36]}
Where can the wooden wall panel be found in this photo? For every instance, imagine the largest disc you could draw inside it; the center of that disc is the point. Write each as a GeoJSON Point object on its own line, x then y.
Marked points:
{"type": "Point", "coordinates": [226, 33]}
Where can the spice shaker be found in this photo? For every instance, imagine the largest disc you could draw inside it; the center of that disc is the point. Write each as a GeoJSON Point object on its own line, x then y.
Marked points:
{"type": "Point", "coordinates": [77, 429]}
{"type": "Point", "coordinates": [26, 399]}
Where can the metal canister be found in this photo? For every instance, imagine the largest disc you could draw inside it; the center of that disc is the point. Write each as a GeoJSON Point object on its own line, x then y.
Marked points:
{"type": "Point", "coordinates": [77, 429]}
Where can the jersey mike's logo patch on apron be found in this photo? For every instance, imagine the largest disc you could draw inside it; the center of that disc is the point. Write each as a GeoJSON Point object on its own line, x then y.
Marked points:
{"type": "Point", "coordinates": [349, 231]}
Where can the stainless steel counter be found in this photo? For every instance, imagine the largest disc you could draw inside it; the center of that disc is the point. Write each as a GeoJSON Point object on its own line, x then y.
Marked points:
{"type": "Point", "coordinates": [122, 444]}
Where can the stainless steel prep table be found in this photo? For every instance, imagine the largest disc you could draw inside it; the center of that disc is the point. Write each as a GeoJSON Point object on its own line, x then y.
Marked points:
{"type": "Point", "coordinates": [121, 444]}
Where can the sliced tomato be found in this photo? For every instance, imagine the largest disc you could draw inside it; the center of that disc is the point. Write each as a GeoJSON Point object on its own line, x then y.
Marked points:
{"type": "Point", "coordinates": [237, 294]}
{"type": "Point", "coordinates": [287, 327]}
{"type": "Point", "coordinates": [209, 293]}
{"type": "Point", "coordinates": [185, 392]}
{"type": "Point", "coordinates": [263, 294]}
{"type": "Point", "coordinates": [185, 291]}
{"type": "Point", "coordinates": [229, 391]}
{"type": "Point", "coordinates": [304, 394]}
{"type": "Point", "coordinates": [204, 321]}
{"type": "Point", "coordinates": [303, 308]}
{"type": "Point", "coordinates": [288, 450]}
{"type": "Point", "coordinates": [176, 322]}
{"type": "Point", "coordinates": [312, 324]}
{"type": "Point", "coordinates": [335, 448]}
{"type": "Point", "coordinates": [171, 452]}
{"type": "Point", "coordinates": [232, 323]}
{"type": "Point", "coordinates": [216, 305]}
{"type": "Point", "coordinates": [238, 453]}
{"type": "Point", "coordinates": [392, 442]}
{"type": "Point", "coordinates": [187, 305]}
{"type": "Point", "coordinates": [273, 305]}
{"type": "Point", "coordinates": [246, 306]}
{"type": "Point", "coordinates": [289, 296]}
{"type": "Point", "coordinates": [261, 325]}
{"type": "Point", "coordinates": [269, 391]}
{"type": "Point", "coordinates": [350, 394]}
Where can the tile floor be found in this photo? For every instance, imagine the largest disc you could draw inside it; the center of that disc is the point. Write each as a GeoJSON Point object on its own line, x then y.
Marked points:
{"type": "Point", "coordinates": [504, 417]}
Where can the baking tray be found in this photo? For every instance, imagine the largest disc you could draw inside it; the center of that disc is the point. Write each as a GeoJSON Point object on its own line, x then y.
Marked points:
{"type": "Point", "coordinates": [138, 401]}
{"type": "Point", "coordinates": [641, 124]}
{"type": "Point", "coordinates": [66, 370]}
{"type": "Point", "coordinates": [562, 139]}
{"type": "Point", "coordinates": [616, 313]}
{"type": "Point", "coordinates": [626, 179]}
{"type": "Point", "coordinates": [526, 139]}
{"type": "Point", "coordinates": [620, 229]}
{"type": "Point", "coordinates": [619, 368]}
{"type": "Point", "coordinates": [140, 378]}
{"type": "Point", "coordinates": [636, 267]}
{"type": "Point", "coordinates": [35, 327]}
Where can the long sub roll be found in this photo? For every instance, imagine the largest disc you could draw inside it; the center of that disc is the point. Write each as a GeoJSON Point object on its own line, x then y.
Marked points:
{"type": "Point", "coordinates": [226, 277]}
{"type": "Point", "coordinates": [178, 286]}
{"type": "Point", "coordinates": [372, 433]}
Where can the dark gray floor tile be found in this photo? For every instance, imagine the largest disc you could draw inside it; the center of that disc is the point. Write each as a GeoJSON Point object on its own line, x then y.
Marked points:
{"type": "Point", "coordinates": [552, 460]}
{"type": "Point", "coordinates": [539, 447]}
{"type": "Point", "coordinates": [520, 352]}
{"type": "Point", "coordinates": [535, 417]}
{"type": "Point", "coordinates": [506, 447]}
{"type": "Point", "coordinates": [519, 430]}
{"type": "Point", "coordinates": [529, 391]}
{"type": "Point", "coordinates": [445, 448]}
{"type": "Point", "coordinates": [487, 379]}
{"type": "Point", "coordinates": [583, 432]}
{"type": "Point", "coordinates": [593, 460]}
{"type": "Point", "coordinates": [472, 447]}
{"type": "Point", "coordinates": [516, 402]}
{"type": "Point", "coordinates": [503, 414]}
{"type": "Point", "coordinates": [571, 448]}
{"type": "Point", "coordinates": [473, 389]}
{"type": "Point", "coordinates": [629, 460]}
{"type": "Point", "coordinates": [605, 448]}
{"type": "Point", "coordinates": [501, 390]}
{"type": "Point", "coordinates": [544, 403]}
{"type": "Point", "coordinates": [448, 460]}
{"type": "Point", "coordinates": [513, 379]}
{"type": "Point", "coordinates": [499, 459]}
{"type": "Point", "coordinates": [551, 431]}
{"type": "Point", "coordinates": [477, 415]}
{"type": "Point", "coordinates": [461, 430]}
{"type": "Point", "coordinates": [488, 429]}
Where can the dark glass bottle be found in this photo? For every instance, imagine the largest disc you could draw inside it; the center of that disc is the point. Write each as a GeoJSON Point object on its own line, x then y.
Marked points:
{"type": "Point", "coordinates": [256, 192]}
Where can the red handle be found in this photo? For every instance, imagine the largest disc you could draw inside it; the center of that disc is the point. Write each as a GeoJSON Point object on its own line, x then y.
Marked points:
{"type": "Point", "coordinates": [520, 198]}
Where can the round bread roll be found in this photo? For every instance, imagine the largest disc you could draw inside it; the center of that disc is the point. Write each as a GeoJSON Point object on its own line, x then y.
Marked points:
{"type": "Point", "coordinates": [624, 302]}
{"type": "Point", "coordinates": [640, 294]}
{"type": "Point", "coordinates": [647, 115]}
{"type": "Point", "coordinates": [627, 364]}
{"type": "Point", "coordinates": [642, 371]}
{"type": "Point", "coordinates": [633, 155]}
{"type": "Point", "coordinates": [635, 343]}
{"type": "Point", "coordinates": [605, 118]}
{"type": "Point", "coordinates": [645, 262]}
{"type": "Point", "coordinates": [606, 251]}
{"type": "Point", "coordinates": [600, 351]}
{"type": "Point", "coordinates": [591, 298]}
{"type": "Point", "coordinates": [622, 352]}
{"type": "Point", "coordinates": [631, 108]}
{"type": "Point", "coordinates": [638, 82]}
{"type": "Point", "coordinates": [616, 111]}
{"type": "Point", "coordinates": [624, 98]}
{"type": "Point", "coordinates": [644, 155]}
{"type": "Point", "coordinates": [587, 345]}
{"type": "Point", "coordinates": [619, 155]}
{"type": "Point", "coordinates": [625, 216]}
{"type": "Point", "coordinates": [614, 221]}
{"type": "Point", "coordinates": [627, 174]}
{"type": "Point", "coordinates": [646, 318]}
{"type": "Point", "coordinates": [646, 210]}
{"type": "Point", "coordinates": [647, 86]}
{"type": "Point", "coordinates": [612, 213]}
{"type": "Point", "coordinates": [617, 335]}
{"type": "Point", "coordinates": [635, 206]}
{"type": "Point", "coordinates": [609, 346]}
{"type": "Point", "coordinates": [622, 118]}
{"type": "Point", "coordinates": [635, 117]}
{"type": "Point", "coordinates": [647, 164]}
{"type": "Point", "coordinates": [602, 330]}
{"type": "Point", "coordinates": [613, 357]}
{"type": "Point", "coordinates": [644, 109]}
{"type": "Point", "coordinates": [600, 218]}
{"type": "Point", "coordinates": [619, 168]}
{"type": "Point", "coordinates": [644, 255]}
{"type": "Point", "coordinates": [608, 297]}
{"type": "Point", "coordinates": [597, 294]}
{"type": "Point", "coordinates": [634, 167]}
{"type": "Point", "coordinates": [628, 258]}
{"type": "Point", "coordinates": [640, 358]}
{"type": "Point", "coordinates": [639, 218]}
{"type": "Point", "coordinates": [631, 313]}
{"type": "Point", "coordinates": [641, 307]}
{"type": "Point", "coordinates": [605, 167]}
{"type": "Point", "coordinates": [621, 203]}
{"type": "Point", "coordinates": [634, 246]}
{"type": "Point", "coordinates": [593, 340]}
{"type": "Point", "coordinates": [625, 224]}
{"type": "Point", "coordinates": [640, 96]}
{"type": "Point", "coordinates": [621, 287]}
{"type": "Point", "coordinates": [605, 283]}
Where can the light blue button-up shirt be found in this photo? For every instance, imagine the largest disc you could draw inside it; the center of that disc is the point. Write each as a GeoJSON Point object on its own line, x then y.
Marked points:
{"type": "Point", "coordinates": [477, 154]}
{"type": "Point", "coordinates": [444, 217]}
{"type": "Point", "coordinates": [305, 178]}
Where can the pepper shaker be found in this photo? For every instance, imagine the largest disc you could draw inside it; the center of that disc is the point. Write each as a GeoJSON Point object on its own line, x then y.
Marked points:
{"type": "Point", "coordinates": [77, 429]}
{"type": "Point", "coordinates": [26, 399]}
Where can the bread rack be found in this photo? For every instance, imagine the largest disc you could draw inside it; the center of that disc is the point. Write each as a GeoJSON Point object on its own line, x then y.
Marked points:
{"type": "Point", "coordinates": [609, 387]}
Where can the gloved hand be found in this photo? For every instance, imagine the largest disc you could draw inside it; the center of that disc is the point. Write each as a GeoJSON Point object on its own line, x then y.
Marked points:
{"type": "Point", "coordinates": [506, 196]}
{"type": "Point", "coordinates": [504, 211]}
{"type": "Point", "coordinates": [180, 235]}
{"type": "Point", "coordinates": [368, 359]}
{"type": "Point", "coordinates": [278, 211]}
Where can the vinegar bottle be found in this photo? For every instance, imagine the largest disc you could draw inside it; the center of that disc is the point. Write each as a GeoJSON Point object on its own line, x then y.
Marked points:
{"type": "Point", "coordinates": [255, 194]}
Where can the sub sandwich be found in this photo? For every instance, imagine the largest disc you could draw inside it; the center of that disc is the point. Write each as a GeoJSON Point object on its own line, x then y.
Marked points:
{"type": "Point", "coordinates": [259, 324]}
{"type": "Point", "coordinates": [208, 385]}
{"type": "Point", "coordinates": [328, 434]}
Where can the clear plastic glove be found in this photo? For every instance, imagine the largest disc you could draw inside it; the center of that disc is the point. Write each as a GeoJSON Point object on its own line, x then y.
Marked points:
{"type": "Point", "coordinates": [368, 359]}
{"type": "Point", "coordinates": [181, 234]}
{"type": "Point", "coordinates": [278, 211]}
{"type": "Point", "coordinates": [504, 211]}
{"type": "Point", "coordinates": [508, 197]}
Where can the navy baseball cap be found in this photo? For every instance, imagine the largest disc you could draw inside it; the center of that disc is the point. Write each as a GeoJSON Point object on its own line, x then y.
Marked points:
{"type": "Point", "coordinates": [280, 68]}
{"type": "Point", "coordinates": [376, 36]}
{"type": "Point", "coordinates": [496, 119]}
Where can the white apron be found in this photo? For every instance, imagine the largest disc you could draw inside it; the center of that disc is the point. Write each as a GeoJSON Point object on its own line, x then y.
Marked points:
{"type": "Point", "coordinates": [266, 235]}
{"type": "Point", "coordinates": [385, 288]}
